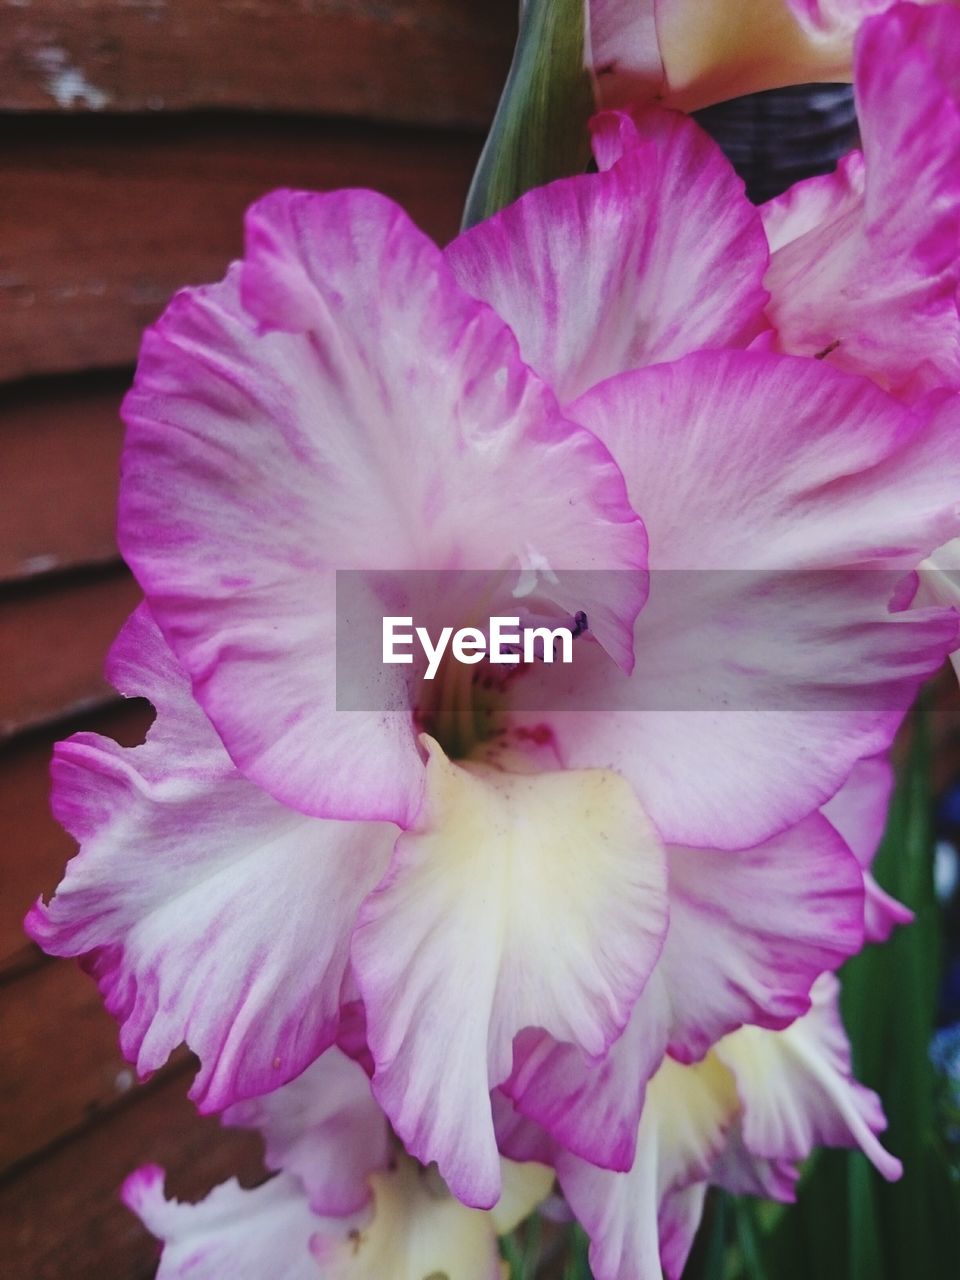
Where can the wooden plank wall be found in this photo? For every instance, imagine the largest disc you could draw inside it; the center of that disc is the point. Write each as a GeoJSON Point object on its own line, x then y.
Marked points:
{"type": "Point", "coordinates": [132, 136]}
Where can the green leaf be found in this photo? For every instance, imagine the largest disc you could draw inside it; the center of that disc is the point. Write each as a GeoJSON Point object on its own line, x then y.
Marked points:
{"type": "Point", "coordinates": [577, 1265]}
{"type": "Point", "coordinates": [848, 1224]}
{"type": "Point", "coordinates": [865, 1239]}
{"type": "Point", "coordinates": [533, 1233]}
{"type": "Point", "coordinates": [890, 996]}
{"type": "Point", "coordinates": [513, 1255]}
{"type": "Point", "coordinates": [747, 1239]}
{"type": "Point", "coordinates": [540, 129]}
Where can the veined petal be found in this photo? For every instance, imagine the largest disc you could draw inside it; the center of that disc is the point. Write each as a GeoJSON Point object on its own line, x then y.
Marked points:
{"type": "Point", "coordinates": [749, 933]}
{"type": "Point", "coordinates": [207, 912]}
{"type": "Point", "coordinates": [859, 813]}
{"type": "Point", "coordinates": [591, 1107]}
{"type": "Point", "coordinates": [415, 1230]}
{"type": "Point", "coordinates": [517, 900]}
{"type": "Point", "coordinates": [772, 661]}
{"type": "Point", "coordinates": [325, 1128]}
{"type": "Point", "coordinates": [940, 575]}
{"type": "Point", "coordinates": [681, 1211]}
{"type": "Point", "coordinates": [685, 1119]}
{"type": "Point", "coordinates": [743, 1117]}
{"type": "Point", "coordinates": [859, 809]}
{"type": "Point", "coordinates": [245, 1235]}
{"type": "Point", "coordinates": [797, 1088]}
{"type": "Point", "coordinates": [828, 18]}
{"type": "Point", "coordinates": [659, 256]}
{"type": "Point", "coordinates": [814, 202]}
{"type": "Point", "coordinates": [623, 52]}
{"type": "Point", "coordinates": [691, 53]}
{"type": "Point", "coordinates": [517, 1137]}
{"type": "Point", "coordinates": [339, 402]}
{"type": "Point", "coordinates": [940, 582]}
{"type": "Point", "coordinates": [741, 1173]}
{"type": "Point", "coordinates": [870, 274]}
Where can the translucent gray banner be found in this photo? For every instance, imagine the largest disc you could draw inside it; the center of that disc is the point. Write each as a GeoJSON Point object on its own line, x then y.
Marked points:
{"type": "Point", "coordinates": [710, 639]}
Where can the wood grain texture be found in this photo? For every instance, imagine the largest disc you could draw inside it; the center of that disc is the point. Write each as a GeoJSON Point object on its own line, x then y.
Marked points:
{"type": "Point", "coordinates": [145, 129]}
{"type": "Point", "coordinates": [59, 448]}
{"type": "Point", "coordinates": [60, 1219]}
{"type": "Point", "coordinates": [61, 1067]}
{"type": "Point", "coordinates": [35, 849]}
{"type": "Point", "coordinates": [438, 62]}
{"type": "Point", "coordinates": [54, 638]}
{"type": "Point", "coordinates": [102, 221]}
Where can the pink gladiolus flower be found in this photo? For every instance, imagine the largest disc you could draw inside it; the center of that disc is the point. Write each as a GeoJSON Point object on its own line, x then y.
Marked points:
{"type": "Point", "coordinates": [328, 1140]}
{"type": "Point", "coordinates": [691, 53]}
{"type": "Point", "coordinates": [742, 1118]}
{"type": "Point", "coordinates": [681, 1010]}
{"type": "Point", "coordinates": [232, 929]}
{"type": "Point", "coordinates": [416, 1229]}
{"type": "Point", "coordinates": [749, 931]}
{"type": "Point", "coordinates": [350, 397]}
{"type": "Point", "coordinates": [865, 262]}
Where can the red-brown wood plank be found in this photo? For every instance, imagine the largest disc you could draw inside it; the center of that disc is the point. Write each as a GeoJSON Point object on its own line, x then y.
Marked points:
{"type": "Point", "coordinates": [59, 451]}
{"type": "Point", "coordinates": [35, 849]}
{"type": "Point", "coordinates": [60, 1218]}
{"type": "Point", "coordinates": [102, 220]}
{"type": "Point", "coordinates": [421, 61]}
{"type": "Point", "coordinates": [54, 637]}
{"type": "Point", "coordinates": [61, 1067]}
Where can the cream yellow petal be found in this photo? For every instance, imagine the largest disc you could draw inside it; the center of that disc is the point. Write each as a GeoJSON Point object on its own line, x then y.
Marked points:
{"type": "Point", "coordinates": [524, 1187]}
{"type": "Point", "coordinates": [518, 900]}
{"type": "Point", "coordinates": [418, 1231]}
{"type": "Point", "coordinates": [718, 49]}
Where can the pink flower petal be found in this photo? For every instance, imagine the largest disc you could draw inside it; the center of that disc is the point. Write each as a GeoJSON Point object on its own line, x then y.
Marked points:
{"type": "Point", "coordinates": [623, 50]}
{"type": "Point", "coordinates": [829, 198]}
{"type": "Point", "coordinates": [206, 911]}
{"type": "Point", "coordinates": [681, 1210]}
{"type": "Point", "coordinates": [518, 900]}
{"type": "Point", "coordinates": [325, 1128]}
{"type": "Point", "coordinates": [829, 18]}
{"type": "Point", "coordinates": [940, 583]}
{"type": "Point", "coordinates": [769, 660]}
{"type": "Point", "coordinates": [659, 256]}
{"type": "Point", "coordinates": [741, 1173]}
{"type": "Point", "coordinates": [245, 1235]}
{"type": "Point", "coordinates": [859, 813]}
{"type": "Point", "coordinates": [339, 402]}
{"type": "Point", "coordinates": [415, 1229]}
{"type": "Point", "coordinates": [592, 1107]}
{"type": "Point", "coordinates": [798, 1090]}
{"type": "Point", "coordinates": [749, 933]}
{"type": "Point", "coordinates": [870, 270]}
{"type": "Point", "coordinates": [685, 1121]}
{"type": "Point", "coordinates": [691, 53]}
